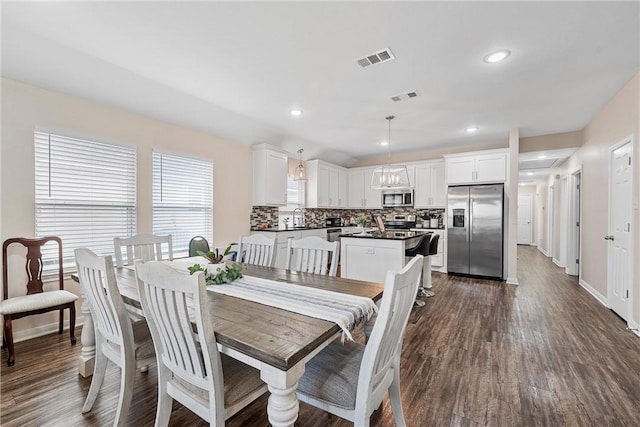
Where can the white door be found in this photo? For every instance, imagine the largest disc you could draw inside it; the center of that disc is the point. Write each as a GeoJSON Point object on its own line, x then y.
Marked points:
{"type": "Point", "coordinates": [573, 250]}
{"type": "Point", "coordinates": [550, 221]}
{"type": "Point", "coordinates": [619, 240]}
{"type": "Point", "coordinates": [525, 220]}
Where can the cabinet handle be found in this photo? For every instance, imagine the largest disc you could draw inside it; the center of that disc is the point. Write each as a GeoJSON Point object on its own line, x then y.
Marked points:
{"type": "Point", "coordinates": [329, 200]}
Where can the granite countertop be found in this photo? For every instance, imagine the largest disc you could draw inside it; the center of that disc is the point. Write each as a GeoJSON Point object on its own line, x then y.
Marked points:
{"type": "Point", "coordinates": [387, 235]}
{"type": "Point", "coordinates": [429, 228]}
{"type": "Point", "coordinates": [277, 229]}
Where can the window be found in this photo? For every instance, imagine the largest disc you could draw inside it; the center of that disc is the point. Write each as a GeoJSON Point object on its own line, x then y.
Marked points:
{"type": "Point", "coordinates": [85, 194]}
{"type": "Point", "coordinates": [293, 192]}
{"type": "Point", "coordinates": [182, 199]}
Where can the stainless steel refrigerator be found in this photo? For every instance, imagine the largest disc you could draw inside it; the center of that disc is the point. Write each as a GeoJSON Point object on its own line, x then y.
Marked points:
{"type": "Point", "coordinates": [475, 230]}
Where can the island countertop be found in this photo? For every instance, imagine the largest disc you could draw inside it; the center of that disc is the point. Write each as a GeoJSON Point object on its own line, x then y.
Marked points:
{"type": "Point", "coordinates": [387, 235]}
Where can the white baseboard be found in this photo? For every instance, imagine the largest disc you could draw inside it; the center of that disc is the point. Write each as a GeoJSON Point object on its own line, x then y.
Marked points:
{"type": "Point", "coordinates": [597, 295]}
{"type": "Point", "coordinates": [556, 262]}
{"type": "Point", "coordinates": [512, 281]}
{"type": "Point", "coordinates": [40, 331]}
{"type": "Point", "coordinates": [545, 253]}
{"type": "Point", "coordinates": [634, 327]}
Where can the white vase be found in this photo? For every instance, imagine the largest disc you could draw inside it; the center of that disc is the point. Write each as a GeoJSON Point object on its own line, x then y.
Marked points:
{"type": "Point", "coordinates": [213, 269]}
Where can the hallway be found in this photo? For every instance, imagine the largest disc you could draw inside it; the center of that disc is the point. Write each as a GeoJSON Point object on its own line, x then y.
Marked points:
{"type": "Point", "coordinates": [479, 353]}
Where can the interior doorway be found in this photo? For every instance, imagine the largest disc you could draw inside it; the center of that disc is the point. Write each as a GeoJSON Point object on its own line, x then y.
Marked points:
{"type": "Point", "coordinates": [573, 237]}
{"type": "Point", "coordinates": [525, 218]}
{"type": "Point", "coordinates": [550, 221]}
{"type": "Point", "coordinates": [560, 258]}
{"type": "Point", "coordinates": [619, 263]}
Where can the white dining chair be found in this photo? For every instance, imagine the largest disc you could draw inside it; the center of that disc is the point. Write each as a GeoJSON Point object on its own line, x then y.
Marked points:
{"type": "Point", "coordinates": [257, 249]}
{"type": "Point", "coordinates": [147, 247]}
{"type": "Point", "coordinates": [190, 368]}
{"type": "Point", "coordinates": [312, 255]}
{"type": "Point", "coordinates": [351, 379]}
{"type": "Point", "coordinates": [118, 339]}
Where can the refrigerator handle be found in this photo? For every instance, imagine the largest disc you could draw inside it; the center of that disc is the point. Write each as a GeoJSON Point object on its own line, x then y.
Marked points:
{"type": "Point", "coordinates": [470, 220]}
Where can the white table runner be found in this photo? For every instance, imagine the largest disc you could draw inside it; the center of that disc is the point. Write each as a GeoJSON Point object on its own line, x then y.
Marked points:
{"type": "Point", "coordinates": [347, 311]}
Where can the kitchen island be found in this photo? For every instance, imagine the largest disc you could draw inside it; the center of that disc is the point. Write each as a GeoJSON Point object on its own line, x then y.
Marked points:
{"type": "Point", "coordinates": [368, 256]}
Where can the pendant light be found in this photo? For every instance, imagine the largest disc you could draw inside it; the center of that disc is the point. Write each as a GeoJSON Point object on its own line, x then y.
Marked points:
{"type": "Point", "coordinates": [390, 176]}
{"type": "Point", "coordinates": [300, 174]}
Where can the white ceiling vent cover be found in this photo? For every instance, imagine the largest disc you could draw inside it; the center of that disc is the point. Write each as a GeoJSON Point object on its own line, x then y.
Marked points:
{"type": "Point", "coordinates": [376, 58]}
{"type": "Point", "coordinates": [408, 95]}
{"type": "Point", "coordinates": [537, 164]}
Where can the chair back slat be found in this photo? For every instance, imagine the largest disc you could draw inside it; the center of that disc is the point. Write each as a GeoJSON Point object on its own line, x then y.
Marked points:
{"type": "Point", "coordinates": [257, 249]}
{"type": "Point", "coordinates": [383, 348]}
{"type": "Point", "coordinates": [172, 302]}
{"type": "Point", "coordinates": [311, 255]}
{"type": "Point", "coordinates": [146, 247]}
{"type": "Point", "coordinates": [98, 283]}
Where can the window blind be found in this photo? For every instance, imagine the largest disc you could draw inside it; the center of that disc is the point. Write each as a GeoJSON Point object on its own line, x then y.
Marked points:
{"type": "Point", "coordinates": [85, 194]}
{"type": "Point", "coordinates": [182, 199]}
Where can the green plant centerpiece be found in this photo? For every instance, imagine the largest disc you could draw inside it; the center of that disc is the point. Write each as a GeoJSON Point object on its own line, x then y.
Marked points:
{"type": "Point", "coordinates": [215, 257]}
{"type": "Point", "coordinates": [360, 220]}
{"type": "Point", "coordinates": [224, 275]}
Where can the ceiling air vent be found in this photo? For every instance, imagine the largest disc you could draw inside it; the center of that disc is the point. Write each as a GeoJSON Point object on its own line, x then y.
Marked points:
{"type": "Point", "coordinates": [537, 164]}
{"type": "Point", "coordinates": [404, 96]}
{"type": "Point", "coordinates": [376, 58]}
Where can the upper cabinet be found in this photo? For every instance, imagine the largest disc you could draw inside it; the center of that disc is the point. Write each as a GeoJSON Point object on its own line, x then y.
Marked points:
{"type": "Point", "coordinates": [326, 185]}
{"type": "Point", "coordinates": [430, 189]}
{"type": "Point", "coordinates": [361, 195]}
{"type": "Point", "coordinates": [270, 169]}
{"type": "Point", "coordinates": [477, 168]}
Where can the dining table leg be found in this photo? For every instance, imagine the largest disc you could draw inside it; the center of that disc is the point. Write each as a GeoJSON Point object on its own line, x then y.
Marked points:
{"type": "Point", "coordinates": [282, 406]}
{"type": "Point", "coordinates": [88, 339]}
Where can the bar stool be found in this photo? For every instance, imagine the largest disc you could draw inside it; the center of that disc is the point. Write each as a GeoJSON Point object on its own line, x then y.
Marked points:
{"type": "Point", "coordinates": [426, 278]}
{"type": "Point", "coordinates": [422, 248]}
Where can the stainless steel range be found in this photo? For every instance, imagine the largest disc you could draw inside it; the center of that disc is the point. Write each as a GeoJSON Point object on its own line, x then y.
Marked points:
{"type": "Point", "coordinates": [400, 222]}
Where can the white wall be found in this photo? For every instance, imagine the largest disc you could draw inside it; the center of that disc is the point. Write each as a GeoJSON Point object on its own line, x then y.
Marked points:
{"type": "Point", "coordinates": [26, 108]}
{"type": "Point", "coordinates": [618, 119]}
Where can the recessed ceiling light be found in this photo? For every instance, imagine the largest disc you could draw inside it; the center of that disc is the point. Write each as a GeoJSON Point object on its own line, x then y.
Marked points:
{"type": "Point", "coordinates": [384, 142]}
{"type": "Point", "coordinates": [296, 112]}
{"type": "Point", "coordinates": [497, 56]}
{"type": "Point", "coordinates": [542, 156]}
{"type": "Point", "coordinates": [472, 129]}
{"type": "Point", "coordinates": [530, 173]}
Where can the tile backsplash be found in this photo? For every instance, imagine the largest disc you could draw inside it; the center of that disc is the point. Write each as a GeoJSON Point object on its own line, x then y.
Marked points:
{"type": "Point", "coordinates": [316, 217]}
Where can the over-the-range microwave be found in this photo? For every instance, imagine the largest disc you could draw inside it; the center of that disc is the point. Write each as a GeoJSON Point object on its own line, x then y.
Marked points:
{"type": "Point", "coordinates": [397, 198]}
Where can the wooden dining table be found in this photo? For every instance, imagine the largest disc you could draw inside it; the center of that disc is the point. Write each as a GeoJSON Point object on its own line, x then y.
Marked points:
{"type": "Point", "coordinates": [277, 342]}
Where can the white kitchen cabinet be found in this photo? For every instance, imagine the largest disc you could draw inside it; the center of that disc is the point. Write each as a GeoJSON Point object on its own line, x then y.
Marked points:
{"type": "Point", "coordinates": [361, 195]}
{"type": "Point", "coordinates": [270, 166]}
{"type": "Point", "coordinates": [326, 185]}
{"type": "Point", "coordinates": [430, 188]}
{"type": "Point", "coordinates": [477, 168]}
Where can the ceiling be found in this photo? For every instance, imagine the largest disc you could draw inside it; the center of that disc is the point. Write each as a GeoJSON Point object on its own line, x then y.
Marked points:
{"type": "Point", "coordinates": [534, 167]}
{"type": "Point", "coordinates": [236, 69]}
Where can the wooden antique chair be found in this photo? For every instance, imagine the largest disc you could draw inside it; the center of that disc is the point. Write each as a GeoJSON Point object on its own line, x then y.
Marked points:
{"type": "Point", "coordinates": [312, 255]}
{"type": "Point", "coordinates": [351, 379]}
{"type": "Point", "coordinates": [119, 339]}
{"type": "Point", "coordinates": [257, 249]}
{"type": "Point", "coordinates": [147, 247]}
{"type": "Point", "coordinates": [36, 300]}
{"type": "Point", "coordinates": [190, 367]}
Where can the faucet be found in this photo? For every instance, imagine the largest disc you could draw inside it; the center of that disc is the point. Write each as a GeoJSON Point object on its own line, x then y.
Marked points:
{"type": "Point", "coordinates": [299, 223]}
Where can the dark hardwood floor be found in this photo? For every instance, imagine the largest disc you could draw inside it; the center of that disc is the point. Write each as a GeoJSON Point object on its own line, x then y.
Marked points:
{"type": "Point", "coordinates": [479, 353]}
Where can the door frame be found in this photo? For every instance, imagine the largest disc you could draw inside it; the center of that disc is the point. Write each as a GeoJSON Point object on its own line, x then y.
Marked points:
{"type": "Point", "coordinates": [574, 231]}
{"type": "Point", "coordinates": [628, 140]}
{"type": "Point", "coordinates": [560, 259]}
{"type": "Point", "coordinates": [531, 214]}
{"type": "Point", "coordinates": [550, 221]}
